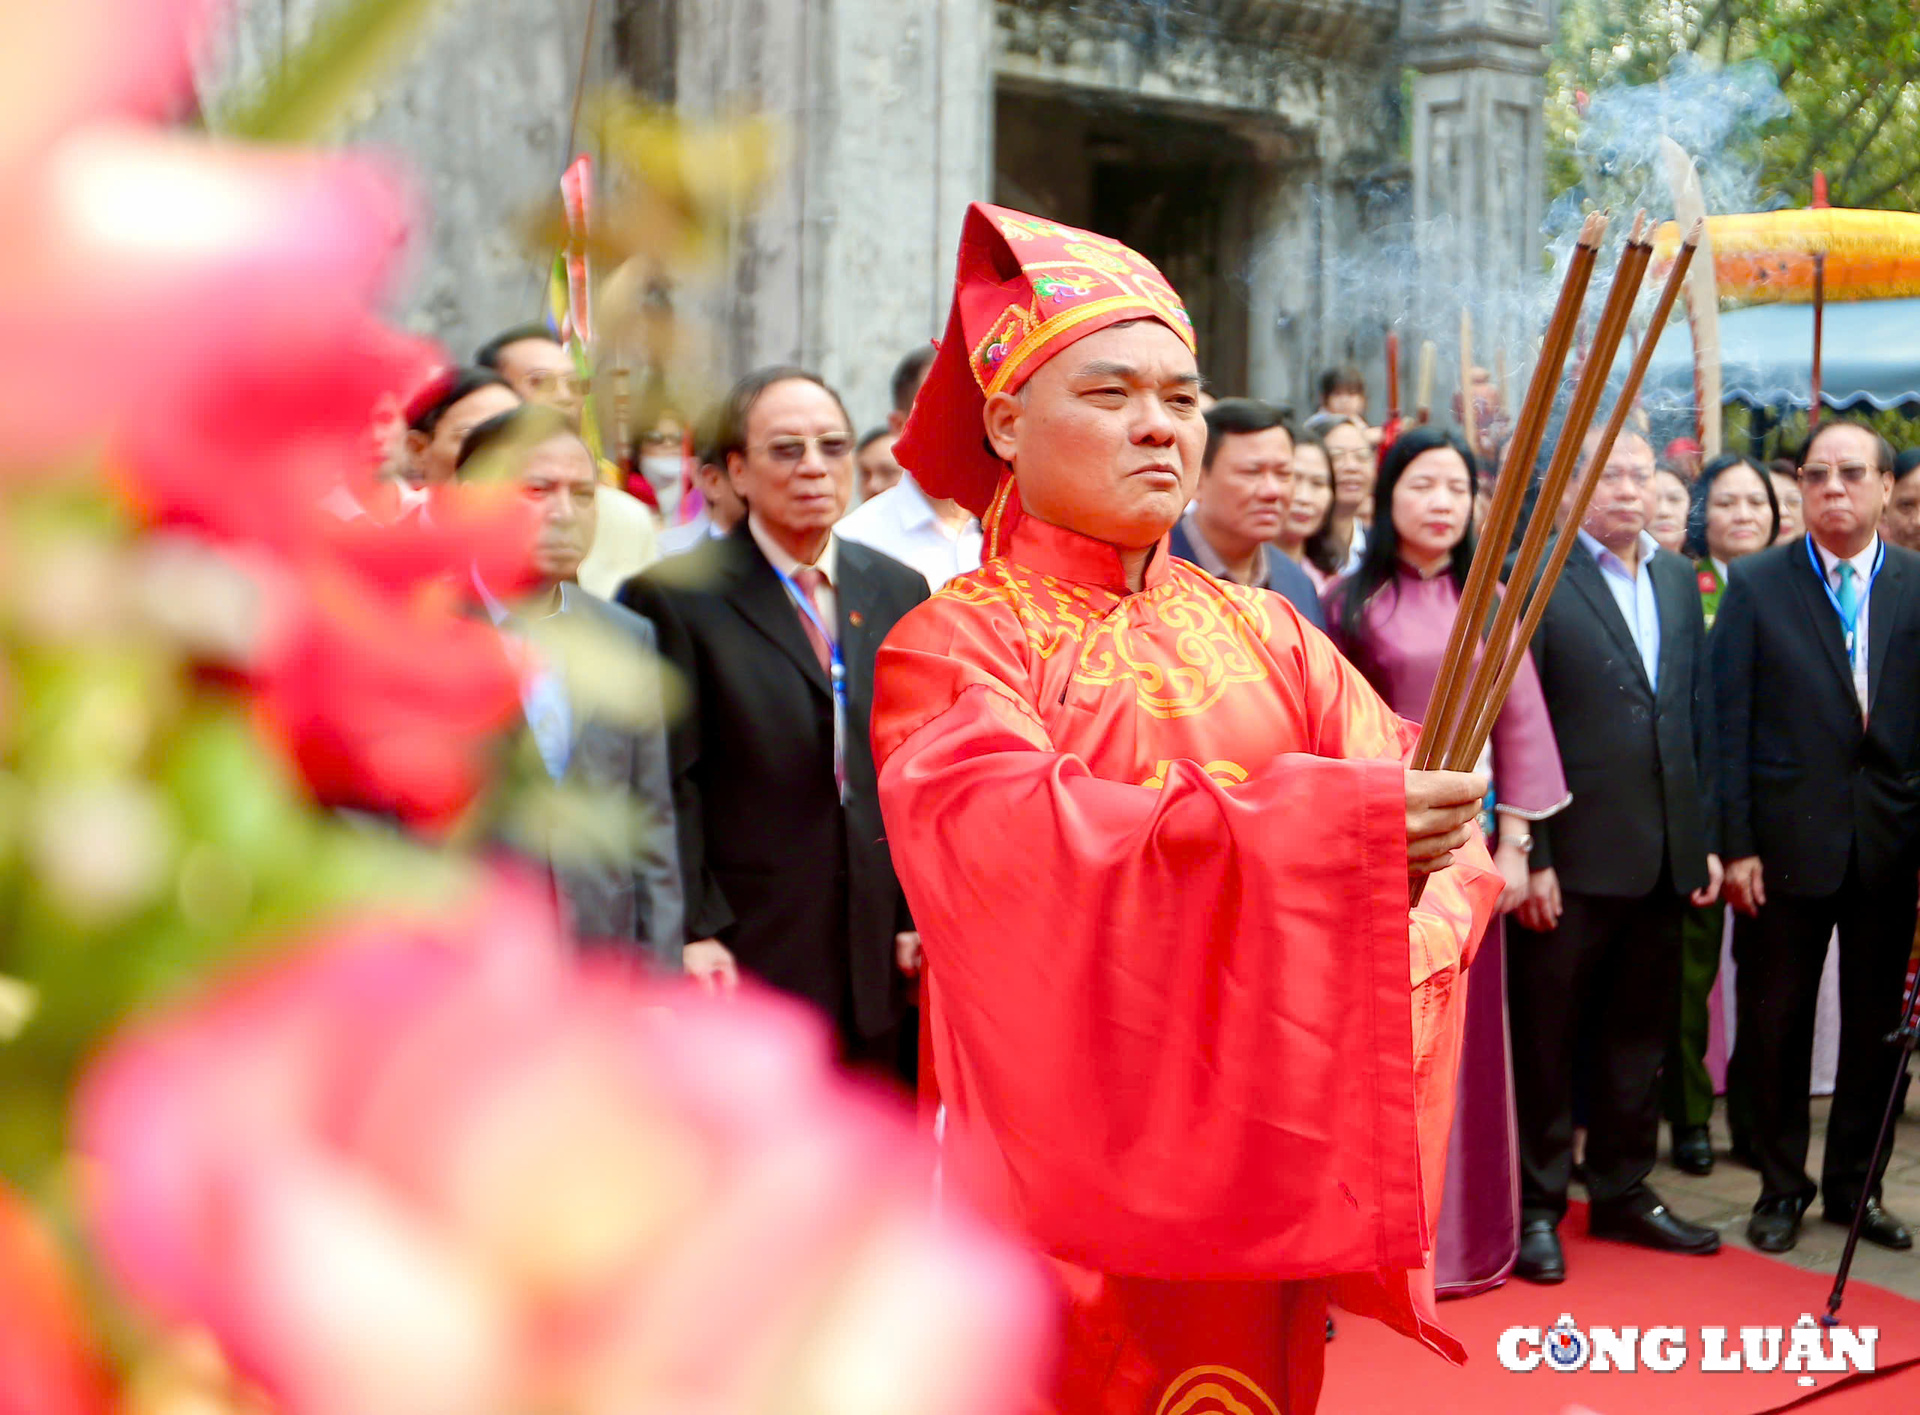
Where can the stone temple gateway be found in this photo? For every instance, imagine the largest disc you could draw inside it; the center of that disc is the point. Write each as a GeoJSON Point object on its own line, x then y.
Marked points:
{"type": "Point", "coordinates": [1256, 149]}
{"type": "Point", "coordinates": [1248, 146]}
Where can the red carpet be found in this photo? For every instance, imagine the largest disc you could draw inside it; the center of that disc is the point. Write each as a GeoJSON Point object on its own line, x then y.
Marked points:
{"type": "Point", "coordinates": [1369, 1369]}
{"type": "Point", "coordinates": [1868, 1395]}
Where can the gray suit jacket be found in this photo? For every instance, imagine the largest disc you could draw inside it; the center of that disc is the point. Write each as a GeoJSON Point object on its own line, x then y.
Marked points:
{"type": "Point", "coordinates": [632, 897]}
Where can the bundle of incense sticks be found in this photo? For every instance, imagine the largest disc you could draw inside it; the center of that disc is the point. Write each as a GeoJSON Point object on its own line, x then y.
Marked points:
{"type": "Point", "coordinates": [1472, 686]}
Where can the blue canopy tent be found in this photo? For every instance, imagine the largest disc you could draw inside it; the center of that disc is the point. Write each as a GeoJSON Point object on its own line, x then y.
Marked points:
{"type": "Point", "coordinates": [1871, 355]}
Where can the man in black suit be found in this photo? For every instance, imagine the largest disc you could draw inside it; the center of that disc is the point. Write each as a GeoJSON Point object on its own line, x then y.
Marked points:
{"type": "Point", "coordinates": [1622, 657]}
{"type": "Point", "coordinates": [591, 696]}
{"type": "Point", "coordinates": [1817, 665]}
{"type": "Point", "coordinates": [773, 629]}
{"type": "Point", "coordinates": [1240, 501]}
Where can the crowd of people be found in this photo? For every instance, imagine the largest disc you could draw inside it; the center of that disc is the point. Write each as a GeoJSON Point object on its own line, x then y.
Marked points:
{"type": "Point", "coordinates": [1721, 713]}
{"type": "Point", "coordinates": [1686, 741]}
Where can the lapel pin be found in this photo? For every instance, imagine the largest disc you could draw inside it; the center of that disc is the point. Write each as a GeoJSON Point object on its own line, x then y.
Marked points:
{"type": "Point", "coordinates": [856, 618]}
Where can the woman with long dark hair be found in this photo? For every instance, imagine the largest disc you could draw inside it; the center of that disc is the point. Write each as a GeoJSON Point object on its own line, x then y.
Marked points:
{"type": "Point", "coordinates": [1391, 617]}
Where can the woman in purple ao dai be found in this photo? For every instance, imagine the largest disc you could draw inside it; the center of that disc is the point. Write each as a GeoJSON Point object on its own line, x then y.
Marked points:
{"type": "Point", "coordinates": [1391, 617]}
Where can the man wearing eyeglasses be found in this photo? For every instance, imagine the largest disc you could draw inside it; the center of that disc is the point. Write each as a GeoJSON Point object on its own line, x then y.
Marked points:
{"type": "Point", "coordinates": [1817, 663]}
{"type": "Point", "coordinates": [538, 367]}
{"type": "Point", "coordinates": [773, 629]}
{"type": "Point", "coordinates": [1622, 658]}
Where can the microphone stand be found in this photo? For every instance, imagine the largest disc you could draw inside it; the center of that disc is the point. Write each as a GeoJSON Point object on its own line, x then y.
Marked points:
{"type": "Point", "coordinates": [1906, 1037]}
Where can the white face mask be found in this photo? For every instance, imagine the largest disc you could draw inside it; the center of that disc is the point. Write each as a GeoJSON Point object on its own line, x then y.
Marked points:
{"type": "Point", "coordinates": [663, 471]}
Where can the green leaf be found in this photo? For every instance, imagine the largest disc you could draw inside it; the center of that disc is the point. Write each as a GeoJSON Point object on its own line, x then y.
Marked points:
{"type": "Point", "coordinates": [309, 95]}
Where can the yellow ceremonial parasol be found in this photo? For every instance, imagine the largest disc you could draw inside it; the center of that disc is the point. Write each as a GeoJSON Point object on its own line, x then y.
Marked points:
{"type": "Point", "coordinates": [1767, 257]}
{"type": "Point", "coordinates": [1812, 255]}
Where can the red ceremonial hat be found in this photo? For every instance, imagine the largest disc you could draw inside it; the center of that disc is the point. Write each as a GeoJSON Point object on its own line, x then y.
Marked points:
{"type": "Point", "coordinates": [1026, 289]}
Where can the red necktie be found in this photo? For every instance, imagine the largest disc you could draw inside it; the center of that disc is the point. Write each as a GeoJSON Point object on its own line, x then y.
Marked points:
{"type": "Point", "coordinates": [810, 578]}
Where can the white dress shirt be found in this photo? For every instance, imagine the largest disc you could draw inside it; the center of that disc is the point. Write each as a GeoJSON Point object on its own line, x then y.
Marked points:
{"type": "Point", "coordinates": [1634, 594]}
{"type": "Point", "coordinates": [543, 688]}
{"type": "Point", "coordinates": [676, 540]}
{"type": "Point", "coordinates": [901, 522]}
{"type": "Point", "coordinates": [1356, 551]}
{"type": "Point", "coordinates": [828, 598]}
{"type": "Point", "coordinates": [1863, 580]}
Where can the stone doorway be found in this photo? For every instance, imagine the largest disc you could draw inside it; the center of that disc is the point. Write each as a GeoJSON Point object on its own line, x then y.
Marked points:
{"type": "Point", "coordinates": [1183, 190]}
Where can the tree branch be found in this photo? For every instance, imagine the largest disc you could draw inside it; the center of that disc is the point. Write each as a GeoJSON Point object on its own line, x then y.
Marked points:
{"type": "Point", "coordinates": [1892, 184]}
{"type": "Point", "coordinates": [1810, 24]}
{"type": "Point", "coordinates": [1895, 91]}
{"type": "Point", "coordinates": [1817, 142]}
{"type": "Point", "coordinates": [1712, 19]}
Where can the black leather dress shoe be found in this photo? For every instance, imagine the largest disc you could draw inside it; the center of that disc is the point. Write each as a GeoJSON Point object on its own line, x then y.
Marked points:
{"type": "Point", "coordinates": [1692, 1149]}
{"type": "Point", "coordinates": [1878, 1226]}
{"type": "Point", "coordinates": [1775, 1225]}
{"type": "Point", "coordinates": [1641, 1218]}
{"type": "Point", "coordinates": [1540, 1257]}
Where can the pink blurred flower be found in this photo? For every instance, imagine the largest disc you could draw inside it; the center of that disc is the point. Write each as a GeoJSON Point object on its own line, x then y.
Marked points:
{"type": "Point", "coordinates": [198, 311]}
{"type": "Point", "coordinates": [386, 701]}
{"type": "Point", "coordinates": [238, 389]}
{"type": "Point", "coordinates": [422, 1167]}
{"type": "Point", "coordinates": [243, 439]}
{"type": "Point", "coordinates": [171, 289]}
{"type": "Point", "coordinates": [64, 63]}
{"type": "Point", "coordinates": [140, 269]}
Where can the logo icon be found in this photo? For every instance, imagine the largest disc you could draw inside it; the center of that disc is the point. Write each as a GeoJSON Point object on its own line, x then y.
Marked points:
{"type": "Point", "coordinates": [1566, 1347]}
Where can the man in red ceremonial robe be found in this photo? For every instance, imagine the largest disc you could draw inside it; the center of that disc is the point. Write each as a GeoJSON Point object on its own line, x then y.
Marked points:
{"type": "Point", "coordinates": [1157, 835]}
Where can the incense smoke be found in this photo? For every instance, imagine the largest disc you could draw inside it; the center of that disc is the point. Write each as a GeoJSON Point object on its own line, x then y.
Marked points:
{"type": "Point", "coordinates": [1719, 116]}
{"type": "Point", "coordinates": [1716, 114]}
{"type": "Point", "coordinates": [1378, 280]}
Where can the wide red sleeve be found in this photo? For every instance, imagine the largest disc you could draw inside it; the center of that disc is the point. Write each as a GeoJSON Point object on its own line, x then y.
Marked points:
{"type": "Point", "coordinates": [1172, 1024]}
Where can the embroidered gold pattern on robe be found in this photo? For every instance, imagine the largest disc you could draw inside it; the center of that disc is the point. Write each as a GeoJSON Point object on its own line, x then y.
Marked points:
{"type": "Point", "coordinates": [1218, 629]}
{"type": "Point", "coordinates": [1226, 773]}
{"type": "Point", "coordinates": [1215, 1390]}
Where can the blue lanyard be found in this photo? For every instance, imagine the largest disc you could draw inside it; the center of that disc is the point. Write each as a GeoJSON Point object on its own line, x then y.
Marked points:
{"type": "Point", "coordinates": [1848, 623]}
{"type": "Point", "coordinates": [836, 675]}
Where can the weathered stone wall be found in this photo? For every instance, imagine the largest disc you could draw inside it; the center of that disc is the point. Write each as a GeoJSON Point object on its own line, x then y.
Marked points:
{"type": "Point", "coordinates": [1258, 56]}
{"type": "Point", "coordinates": [479, 115]}
{"type": "Point", "coordinates": [1308, 91]}
{"type": "Point", "coordinates": [1479, 171]}
{"type": "Point", "coordinates": [888, 107]}
{"type": "Point", "coordinates": [848, 262]}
